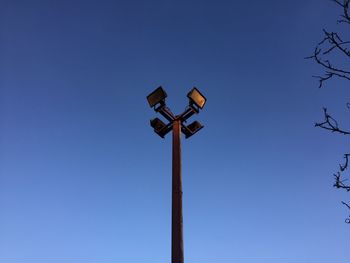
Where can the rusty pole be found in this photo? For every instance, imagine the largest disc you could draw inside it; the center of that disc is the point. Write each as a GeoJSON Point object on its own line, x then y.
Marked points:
{"type": "Point", "coordinates": [177, 248]}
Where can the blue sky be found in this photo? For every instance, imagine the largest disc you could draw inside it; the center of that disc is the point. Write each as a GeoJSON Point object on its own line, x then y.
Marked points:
{"type": "Point", "coordinates": [83, 178]}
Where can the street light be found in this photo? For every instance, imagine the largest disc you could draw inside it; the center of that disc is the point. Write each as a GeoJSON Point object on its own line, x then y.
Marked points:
{"type": "Point", "coordinates": [176, 123]}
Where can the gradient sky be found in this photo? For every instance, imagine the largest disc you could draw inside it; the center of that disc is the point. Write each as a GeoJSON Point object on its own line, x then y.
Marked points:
{"type": "Point", "coordinates": [83, 178]}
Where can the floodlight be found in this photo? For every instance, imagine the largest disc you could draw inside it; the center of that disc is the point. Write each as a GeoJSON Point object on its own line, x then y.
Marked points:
{"type": "Point", "coordinates": [157, 97]}
{"type": "Point", "coordinates": [159, 127]}
{"type": "Point", "coordinates": [192, 128]}
{"type": "Point", "coordinates": [196, 98]}
{"type": "Point", "coordinates": [157, 124]}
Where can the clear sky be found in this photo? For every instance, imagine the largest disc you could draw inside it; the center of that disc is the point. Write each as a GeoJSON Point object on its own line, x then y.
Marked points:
{"type": "Point", "coordinates": [83, 178]}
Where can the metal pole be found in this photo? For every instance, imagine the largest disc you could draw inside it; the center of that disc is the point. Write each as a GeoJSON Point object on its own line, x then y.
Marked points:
{"type": "Point", "coordinates": [177, 248]}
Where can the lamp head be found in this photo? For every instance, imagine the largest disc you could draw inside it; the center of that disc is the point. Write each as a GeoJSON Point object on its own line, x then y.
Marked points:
{"type": "Point", "coordinates": [196, 98]}
{"type": "Point", "coordinates": [157, 97]}
{"type": "Point", "coordinates": [159, 127]}
{"type": "Point", "coordinates": [192, 128]}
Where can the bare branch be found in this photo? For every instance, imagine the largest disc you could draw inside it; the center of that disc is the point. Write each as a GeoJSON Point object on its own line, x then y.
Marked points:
{"type": "Point", "coordinates": [345, 5]}
{"type": "Point", "coordinates": [331, 71]}
{"type": "Point", "coordinates": [326, 63]}
{"type": "Point", "coordinates": [332, 43]}
{"type": "Point", "coordinates": [330, 124]}
{"type": "Point", "coordinates": [336, 42]}
{"type": "Point", "coordinates": [339, 183]}
{"type": "Point", "coordinates": [348, 206]}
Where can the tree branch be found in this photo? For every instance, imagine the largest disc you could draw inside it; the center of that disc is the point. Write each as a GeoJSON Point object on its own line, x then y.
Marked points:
{"type": "Point", "coordinates": [330, 43]}
{"type": "Point", "coordinates": [323, 55]}
{"type": "Point", "coordinates": [345, 6]}
{"type": "Point", "coordinates": [348, 206]}
{"type": "Point", "coordinates": [330, 124]}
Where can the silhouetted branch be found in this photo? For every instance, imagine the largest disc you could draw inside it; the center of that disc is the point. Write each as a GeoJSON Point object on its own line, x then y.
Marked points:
{"type": "Point", "coordinates": [336, 42]}
{"type": "Point", "coordinates": [330, 70]}
{"type": "Point", "coordinates": [339, 182]}
{"type": "Point", "coordinates": [345, 165]}
{"type": "Point", "coordinates": [348, 206]}
{"type": "Point", "coordinates": [345, 15]}
{"type": "Point", "coordinates": [332, 42]}
{"type": "Point", "coordinates": [330, 124]}
{"type": "Point", "coordinates": [324, 55]}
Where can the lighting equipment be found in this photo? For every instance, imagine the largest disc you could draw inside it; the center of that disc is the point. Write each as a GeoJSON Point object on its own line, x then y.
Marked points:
{"type": "Point", "coordinates": [159, 127]}
{"type": "Point", "coordinates": [191, 129]}
{"type": "Point", "coordinates": [176, 123]}
{"type": "Point", "coordinates": [196, 98]}
{"type": "Point", "coordinates": [157, 97]}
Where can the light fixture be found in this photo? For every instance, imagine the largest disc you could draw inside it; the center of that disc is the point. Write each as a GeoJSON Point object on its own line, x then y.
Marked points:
{"type": "Point", "coordinates": [157, 97]}
{"type": "Point", "coordinates": [159, 127]}
{"type": "Point", "coordinates": [192, 128]}
{"type": "Point", "coordinates": [196, 98]}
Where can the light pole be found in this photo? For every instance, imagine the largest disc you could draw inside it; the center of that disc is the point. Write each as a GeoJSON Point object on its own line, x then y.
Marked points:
{"type": "Point", "coordinates": [177, 124]}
